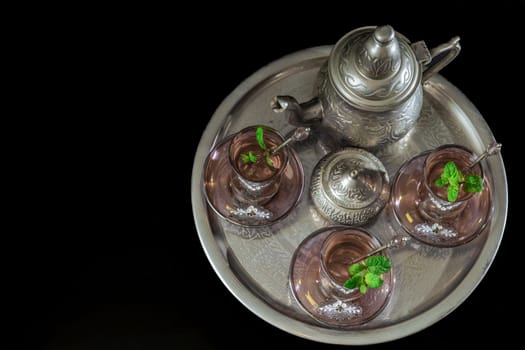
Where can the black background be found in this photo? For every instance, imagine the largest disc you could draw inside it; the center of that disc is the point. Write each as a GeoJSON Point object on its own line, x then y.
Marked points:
{"type": "Point", "coordinates": [105, 254]}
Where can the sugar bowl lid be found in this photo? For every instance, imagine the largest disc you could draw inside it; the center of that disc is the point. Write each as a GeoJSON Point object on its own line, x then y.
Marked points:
{"type": "Point", "coordinates": [374, 68]}
{"type": "Point", "coordinates": [350, 186]}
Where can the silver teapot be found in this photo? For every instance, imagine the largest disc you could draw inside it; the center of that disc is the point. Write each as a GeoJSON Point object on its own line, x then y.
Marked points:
{"type": "Point", "coordinates": [369, 91]}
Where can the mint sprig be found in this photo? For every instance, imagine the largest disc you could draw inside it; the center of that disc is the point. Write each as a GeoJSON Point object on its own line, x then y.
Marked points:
{"type": "Point", "coordinates": [454, 178]}
{"type": "Point", "coordinates": [259, 135]}
{"type": "Point", "coordinates": [368, 275]}
{"type": "Point", "coordinates": [473, 183]}
{"type": "Point", "coordinates": [250, 157]}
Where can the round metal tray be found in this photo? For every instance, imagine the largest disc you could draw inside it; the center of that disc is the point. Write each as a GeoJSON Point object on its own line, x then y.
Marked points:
{"type": "Point", "coordinates": [253, 263]}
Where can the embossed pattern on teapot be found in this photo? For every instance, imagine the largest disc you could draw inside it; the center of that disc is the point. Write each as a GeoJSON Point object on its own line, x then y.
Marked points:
{"type": "Point", "coordinates": [369, 92]}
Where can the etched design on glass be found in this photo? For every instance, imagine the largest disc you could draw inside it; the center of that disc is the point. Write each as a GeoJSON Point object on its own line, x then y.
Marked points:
{"type": "Point", "coordinates": [443, 205]}
{"type": "Point", "coordinates": [340, 310]}
{"type": "Point", "coordinates": [435, 230]}
{"type": "Point", "coordinates": [251, 212]}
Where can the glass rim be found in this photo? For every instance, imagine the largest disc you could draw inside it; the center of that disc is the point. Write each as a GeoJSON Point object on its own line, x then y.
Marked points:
{"type": "Point", "coordinates": [351, 231]}
{"type": "Point", "coordinates": [250, 128]}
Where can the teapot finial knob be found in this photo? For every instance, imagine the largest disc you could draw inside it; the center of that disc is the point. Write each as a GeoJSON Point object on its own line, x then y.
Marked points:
{"type": "Point", "coordinates": [380, 55]}
{"type": "Point", "coordinates": [384, 34]}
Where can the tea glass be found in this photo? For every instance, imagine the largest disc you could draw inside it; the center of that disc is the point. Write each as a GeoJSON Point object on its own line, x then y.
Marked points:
{"type": "Point", "coordinates": [422, 207]}
{"type": "Point", "coordinates": [257, 182]}
{"type": "Point", "coordinates": [320, 268]}
{"type": "Point", "coordinates": [253, 192]}
{"type": "Point", "coordinates": [433, 200]}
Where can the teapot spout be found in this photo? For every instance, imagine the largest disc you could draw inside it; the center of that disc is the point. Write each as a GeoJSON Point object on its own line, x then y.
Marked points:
{"type": "Point", "coordinates": [299, 114]}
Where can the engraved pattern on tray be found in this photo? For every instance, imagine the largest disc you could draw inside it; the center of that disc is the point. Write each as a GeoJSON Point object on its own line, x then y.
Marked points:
{"type": "Point", "coordinates": [254, 262]}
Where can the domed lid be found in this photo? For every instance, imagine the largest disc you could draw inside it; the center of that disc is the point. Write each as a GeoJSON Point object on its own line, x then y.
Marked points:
{"type": "Point", "coordinates": [350, 186]}
{"type": "Point", "coordinates": [374, 68]}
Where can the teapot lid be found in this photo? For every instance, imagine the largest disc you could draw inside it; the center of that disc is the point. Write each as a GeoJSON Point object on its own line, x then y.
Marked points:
{"type": "Point", "coordinates": [350, 186]}
{"type": "Point", "coordinates": [374, 68]}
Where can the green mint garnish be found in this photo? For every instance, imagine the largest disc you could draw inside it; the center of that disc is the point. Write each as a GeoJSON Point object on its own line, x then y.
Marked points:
{"type": "Point", "coordinates": [355, 269]}
{"type": "Point", "coordinates": [259, 135]}
{"type": "Point", "coordinates": [452, 191]}
{"type": "Point", "coordinates": [368, 275]}
{"type": "Point", "coordinates": [473, 183]}
{"type": "Point", "coordinates": [354, 281]}
{"type": "Point", "coordinates": [378, 264]}
{"type": "Point", "coordinates": [250, 157]}
{"type": "Point", "coordinates": [362, 288]}
{"type": "Point", "coordinates": [454, 178]}
{"type": "Point", "coordinates": [451, 173]}
{"type": "Point", "coordinates": [269, 159]}
{"type": "Point", "coordinates": [373, 280]}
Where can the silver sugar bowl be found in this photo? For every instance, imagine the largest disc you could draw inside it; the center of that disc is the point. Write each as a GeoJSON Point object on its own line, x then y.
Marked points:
{"type": "Point", "coordinates": [350, 186]}
{"type": "Point", "coordinates": [369, 92]}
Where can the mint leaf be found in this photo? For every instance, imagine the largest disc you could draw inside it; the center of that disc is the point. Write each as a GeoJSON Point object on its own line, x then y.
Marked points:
{"type": "Point", "coordinates": [368, 274]}
{"type": "Point", "coordinates": [452, 192]}
{"type": "Point", "coordinates": [473, 183]}
{"type": "Point", "coordinates": [355, 269]}
{"type": "Point", "coordinates": [350, 284]}
{"type": "Point", "coordinates": [362, 288]}
{"type": "Point", "coordinates": [451, 172]}
{"type": "Point", "coordinates": [378, 264]}
{"type": "Point", "coordinates": [361, 274]}
{"type": "Point", "coordinates": [259, 135]}
{"type": "Point", "coordinates": [373, 280]}
{"type": "Point", "coordinates": [440, 182]}
{"type": "Point", "coordinates": [250, 157]}
{"type": "Point", "coordinates": [354, 282]}
{"type": "Point", "coordinates": [372, 261]}
{"type": "Point", "coordinates": [268, 159]}
{"type": "Point", "coordinates": [454, 178]}
{"type": "Point", "coordinates": [376, 269]}
{"type": "Point", "coordinates": [378, 260]}
{"type": "Point", "coordinates": [383, 266]}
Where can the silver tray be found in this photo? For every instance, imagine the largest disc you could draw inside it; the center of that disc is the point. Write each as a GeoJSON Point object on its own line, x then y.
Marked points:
{"type": "Point", "coordinates": [254, 263]}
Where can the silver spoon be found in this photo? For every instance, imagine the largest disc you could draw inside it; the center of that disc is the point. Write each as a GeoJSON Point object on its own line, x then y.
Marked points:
{"type": "Point", "coordinates": [299, 134]}
{"type": "Point", "coordinates": [397, 241]}
{"type": "Point", "coordinates": [492, 149]}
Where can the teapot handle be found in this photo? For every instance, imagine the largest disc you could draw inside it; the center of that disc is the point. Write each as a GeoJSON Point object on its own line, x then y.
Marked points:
{"type": "Point", "coordinates": [440, 57]}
